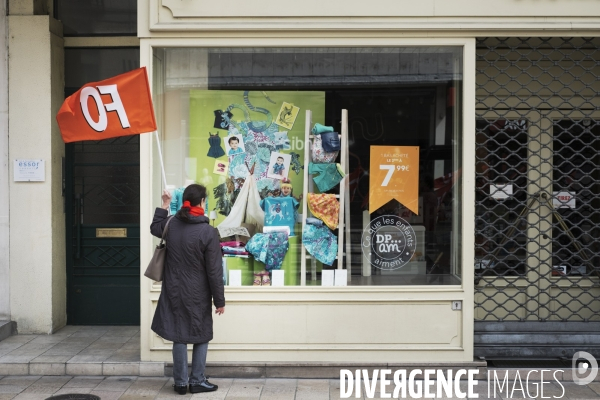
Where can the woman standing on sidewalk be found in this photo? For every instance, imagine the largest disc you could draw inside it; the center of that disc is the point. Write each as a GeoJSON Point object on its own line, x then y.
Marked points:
{"type": "Point", "coordinates": [193, 277]}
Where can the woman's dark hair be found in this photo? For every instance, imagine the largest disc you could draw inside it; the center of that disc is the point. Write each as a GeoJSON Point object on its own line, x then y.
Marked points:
{"type": "Point", "coordinates": [194, 193]}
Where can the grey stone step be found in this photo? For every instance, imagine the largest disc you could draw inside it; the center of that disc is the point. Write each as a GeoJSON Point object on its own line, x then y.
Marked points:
{"type": "Point", "coordinates": [7, 328]}
{"type": "Point", "coordinates": [108, 368]}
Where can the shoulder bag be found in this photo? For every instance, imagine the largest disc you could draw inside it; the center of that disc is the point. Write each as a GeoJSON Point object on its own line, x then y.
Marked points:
{"type": "Point", "coordinates": [156, 266]}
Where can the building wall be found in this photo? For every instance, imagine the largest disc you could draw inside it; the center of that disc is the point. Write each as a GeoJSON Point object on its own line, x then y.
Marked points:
{"type": "Point", "coordinates": [37, 235]}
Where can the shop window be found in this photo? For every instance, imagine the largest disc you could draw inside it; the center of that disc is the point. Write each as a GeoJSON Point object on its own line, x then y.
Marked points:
{"type": "Point", "coordinates": [501, 197]}
{"type": "Point", "coordinates": [576, 198]}
{"type": "Point", "coordinates": [407, 97]}
{"type": "Point", "coordinates": [97, 18]}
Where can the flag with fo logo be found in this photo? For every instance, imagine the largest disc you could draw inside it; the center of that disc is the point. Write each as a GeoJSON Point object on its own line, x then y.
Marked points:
{"type": "Point", "coordinates": [118, 106]}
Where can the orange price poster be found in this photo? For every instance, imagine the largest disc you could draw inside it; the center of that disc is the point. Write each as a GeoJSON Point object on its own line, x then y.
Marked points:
{"type": "Point", "coordinates": [394, 174]}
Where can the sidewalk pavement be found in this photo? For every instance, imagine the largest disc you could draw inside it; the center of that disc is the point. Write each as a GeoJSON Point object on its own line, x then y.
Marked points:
{"type": "Point", "coordinates": [148, 388]}
{"type": "Point", "coordinates": [105, 361]}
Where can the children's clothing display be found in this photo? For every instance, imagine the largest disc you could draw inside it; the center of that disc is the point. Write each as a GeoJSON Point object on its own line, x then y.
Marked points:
{"type": "Point", "coordinates": [278, 169]}
{"type": "Point", "coordinates": [320, 242]}
{"type": "Point", "coordinates": [327, 175]}
{"type": "Point", "coordinates": [215, 150]}
{"type": "Point", "coordinates": [318, 154]}
{"type": "Point", "coordinates": [325, 207]}
{"type": "Point", "coordinates": [314, 221]}
{"type": "Point", "coordinates": [176, 200]}
{"type": "Point", "coordinates": [222, 119]}
{"type": "Point", "coordinates": [318, 129]}
{"type": "Point", "coordinates": [269, 248]}
{"type": "Point", "coordinates": [280, 211]}
{"type": "Point", "coordinates": [245, 209]}
{"type": "Point", "coordinates": [330, 141]}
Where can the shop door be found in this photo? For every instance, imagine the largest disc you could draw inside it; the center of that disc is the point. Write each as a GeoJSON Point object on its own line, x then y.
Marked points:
{"type": "Point", "coordinates": [103, 232]}
{"type": "Point", "coordinates": [537, 225]}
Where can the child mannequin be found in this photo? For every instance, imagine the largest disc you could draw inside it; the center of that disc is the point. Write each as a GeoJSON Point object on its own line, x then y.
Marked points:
{"type": "Point", "coordinates": [261, 278]}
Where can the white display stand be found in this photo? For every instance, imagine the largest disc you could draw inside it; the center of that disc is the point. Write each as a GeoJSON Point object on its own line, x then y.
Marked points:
{"type": "Point", "coordinates": [343, 197]}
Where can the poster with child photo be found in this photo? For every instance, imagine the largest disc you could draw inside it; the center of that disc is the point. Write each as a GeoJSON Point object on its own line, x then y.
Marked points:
{"type": "Point", "coordinates": [279, 165]}
{"type": "Point", "coordinates": [234, 144]}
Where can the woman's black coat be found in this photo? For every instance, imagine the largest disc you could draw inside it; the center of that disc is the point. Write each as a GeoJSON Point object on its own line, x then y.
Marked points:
{"type": "Point", "coordinates": [193, 275]}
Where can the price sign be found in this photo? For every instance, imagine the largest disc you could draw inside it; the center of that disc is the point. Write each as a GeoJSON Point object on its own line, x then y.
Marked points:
{"type": "Point", "coordinates": [394, 174]}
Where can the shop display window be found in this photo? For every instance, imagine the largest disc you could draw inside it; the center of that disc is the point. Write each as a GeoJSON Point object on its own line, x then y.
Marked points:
{"type": "Point", "coordinates": [234, 120]}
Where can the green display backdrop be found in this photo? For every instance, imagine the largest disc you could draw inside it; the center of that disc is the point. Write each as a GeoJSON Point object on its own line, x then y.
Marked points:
{"type": "Point", "coordinates": [265, 123]}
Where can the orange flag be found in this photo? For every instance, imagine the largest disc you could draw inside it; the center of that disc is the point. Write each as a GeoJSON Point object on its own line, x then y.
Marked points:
{"type": "Point", "coordinates": [394, 174]}
{"type": "Point", "coordinates": [118, 106]}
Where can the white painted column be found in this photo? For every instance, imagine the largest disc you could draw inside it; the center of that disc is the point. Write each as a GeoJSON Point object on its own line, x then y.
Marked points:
{"type": "Point", "coordinates": [4, 220]}
{"type": "Point", "coordinates": [37, 234]}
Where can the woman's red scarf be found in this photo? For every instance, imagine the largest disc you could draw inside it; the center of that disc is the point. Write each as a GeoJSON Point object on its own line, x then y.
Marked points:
{"type": "Point", "coordinates": [194, 211]}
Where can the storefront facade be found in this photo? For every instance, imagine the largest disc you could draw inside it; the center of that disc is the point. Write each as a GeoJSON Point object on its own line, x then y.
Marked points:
{"type": "Point", "coordinates": [408, 76]}
{"type": "Point", "coordinates": [499, 101]}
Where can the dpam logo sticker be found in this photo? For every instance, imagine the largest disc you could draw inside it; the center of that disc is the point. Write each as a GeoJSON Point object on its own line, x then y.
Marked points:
{"type": "Point", "coordinates": [389, 242]}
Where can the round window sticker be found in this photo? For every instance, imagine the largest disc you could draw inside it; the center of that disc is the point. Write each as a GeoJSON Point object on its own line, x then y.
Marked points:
{"type": "Point", "coordinates": [389, 242]}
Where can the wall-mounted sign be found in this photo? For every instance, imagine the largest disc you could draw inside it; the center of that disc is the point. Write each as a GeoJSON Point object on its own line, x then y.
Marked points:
{"type": "Point", "coordinates": [394, 174]}
{"type": "Point", "coordinates": [501, 192]}
{"type": "Point", "coordinates": [388, 242]}
{"type": "Point", "coordinates": [29, 171]}
{"type": "Point", "coordinates": [563, 199]}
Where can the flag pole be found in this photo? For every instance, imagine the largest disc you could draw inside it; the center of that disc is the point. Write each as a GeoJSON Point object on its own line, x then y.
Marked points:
{"type": "Point", "coordinates": [162, 165]}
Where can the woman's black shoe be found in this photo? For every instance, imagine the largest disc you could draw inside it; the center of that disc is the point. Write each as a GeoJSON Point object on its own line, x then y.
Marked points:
{"type": "Point", "coordinates": [205, 386]}
{"type": "Point", "coordinates": [181, 389]}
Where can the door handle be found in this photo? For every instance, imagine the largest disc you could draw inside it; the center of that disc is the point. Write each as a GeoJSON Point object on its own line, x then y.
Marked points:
{"type": "Point", "coordinates": [78, 222]}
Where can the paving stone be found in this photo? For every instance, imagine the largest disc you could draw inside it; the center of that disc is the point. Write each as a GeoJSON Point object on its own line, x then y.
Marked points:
{"type": "Point", "coordinates": [17, 359]}
{"type": "Point", "coordinates": [69, 390]}
{"type": "Point", "coordinates": [152, 369]}
{"type": "Point", "coordinates": [62, 349]}
{"type": "Point", "coordinates": [107, 395]}
{"type": "Point", "coordinates": [68, 330]}
{"type": "Point", "coordinates": [148, 383]}
{"type": "Point", "coordinates": [116, 384]}
{"type": "Point", "coordinates": [246, 388]}
{"type": "Point", "coordinates": [47, 368]}
{"type": "Point", "coordinates": [312, 389]}
{"type": "Point", "coordinates": [85, 340]}
{"type": "Point", "coordinates": [22, 339]}
{"type": "Point", "coordinates": [125, 356]}
{"type": "Point", "coordinates": [12, 388]}
{"type": "Point", "coordinates": [53, 381]}
{"type": "Point", "coordinates": [84, 382]}
{"type": "Point", "coordinates": [572, 391]}
{"type": "Point", "coordinates": [89, 358]}
{"type": "Point", "coordinates": [48, 339]}
{"type": "Point", "coordinates": [74, 368]}
{"type": "Point", "coordinates": [49, 359]}
{"type": "Point", "coordinates": [275, 389]}
{"type": "Point", "coordinates": [48, 390]}
{"type": "Point", "coordinates": [124, 368]}
{"type": "Point", "coordinates": [7, 396]}
{"type": "Point", "coordinates": [113, 339]}
{"type": "Point", "coordinates": [14, 368]}
{"type": "Point", "coordinates": [31, 396]}
{"type": "Point", "coordinates": [25, 380]}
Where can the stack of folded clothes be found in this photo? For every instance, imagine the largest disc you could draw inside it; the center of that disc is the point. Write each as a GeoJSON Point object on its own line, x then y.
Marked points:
{"type": "Point", "coordinates": [234, 249]}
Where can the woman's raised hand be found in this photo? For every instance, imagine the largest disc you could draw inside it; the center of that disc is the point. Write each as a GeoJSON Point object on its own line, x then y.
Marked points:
{"type": "Point", "coordinates": [166, 199]}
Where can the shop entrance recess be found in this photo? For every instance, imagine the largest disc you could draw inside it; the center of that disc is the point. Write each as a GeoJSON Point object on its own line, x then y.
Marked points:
{"type": "Point", "coordinates": [102, 192]}
{"type": "Point", "coordinates": [537, 217]}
